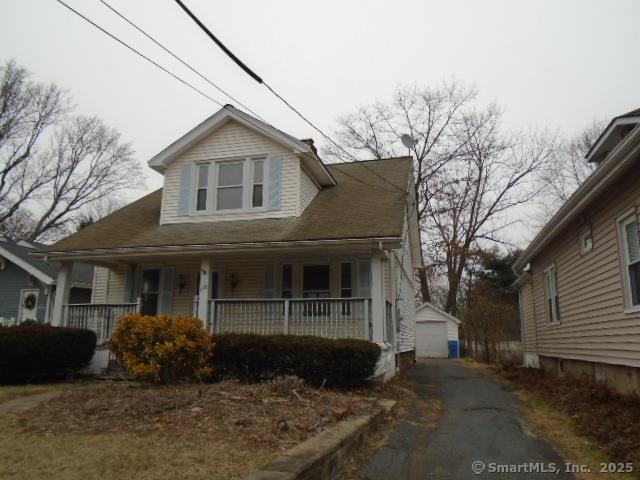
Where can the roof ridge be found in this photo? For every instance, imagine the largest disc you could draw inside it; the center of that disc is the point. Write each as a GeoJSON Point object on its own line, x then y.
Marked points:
{"type": "Point", "coordinates": [337, 164]}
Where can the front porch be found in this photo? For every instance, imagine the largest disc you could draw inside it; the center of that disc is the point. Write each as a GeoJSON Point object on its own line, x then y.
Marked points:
{"type": "Point", "coordinates": [337, 294]}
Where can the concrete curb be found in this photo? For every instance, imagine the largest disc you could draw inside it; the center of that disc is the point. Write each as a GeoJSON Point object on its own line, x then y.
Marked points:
{"type": "Point", "coordinates": [321, 457]}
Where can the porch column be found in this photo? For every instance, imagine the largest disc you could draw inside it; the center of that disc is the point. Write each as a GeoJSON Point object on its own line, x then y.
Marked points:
{"type": "Point", "coordinates": [204, 294]}
{"type": "Point", "coordinates": [377, 299]}
{"type": "Point", "coordinates": [63, 285]}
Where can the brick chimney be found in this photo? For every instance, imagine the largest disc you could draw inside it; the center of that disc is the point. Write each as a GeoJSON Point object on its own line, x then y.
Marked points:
{"type": "Point", "coordinates": [309, 141]}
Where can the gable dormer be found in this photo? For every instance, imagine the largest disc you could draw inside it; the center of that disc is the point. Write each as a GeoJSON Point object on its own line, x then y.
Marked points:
{"type": "Point", "coordinates": [235, 167]}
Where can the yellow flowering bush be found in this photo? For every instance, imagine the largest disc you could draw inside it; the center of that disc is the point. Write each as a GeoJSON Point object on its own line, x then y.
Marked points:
{"type": "Point", "coordinates": [162, 348]}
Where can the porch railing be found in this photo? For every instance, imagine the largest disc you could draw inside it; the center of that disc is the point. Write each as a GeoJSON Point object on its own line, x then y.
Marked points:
{"type": "Point", "coordinates": [101, 318]}
{"type": "Point", "coordinates": [323, 317]}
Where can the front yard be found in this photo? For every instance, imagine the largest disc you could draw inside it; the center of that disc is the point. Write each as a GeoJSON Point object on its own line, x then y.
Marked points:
{"type": "Point", "coordinates": [129, 430]}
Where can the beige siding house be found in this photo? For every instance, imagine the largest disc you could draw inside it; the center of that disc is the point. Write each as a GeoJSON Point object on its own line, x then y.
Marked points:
{"type": "Point", "coordinates": [580, 277]}
{"type": "Point", "coordinates": [252, 232]}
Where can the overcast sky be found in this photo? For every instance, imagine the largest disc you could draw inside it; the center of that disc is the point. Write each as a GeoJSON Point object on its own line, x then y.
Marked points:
{"type": "Point", "coordinates": [556, 64]}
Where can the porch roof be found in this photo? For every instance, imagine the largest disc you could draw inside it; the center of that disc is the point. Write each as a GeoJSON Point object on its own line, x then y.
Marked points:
{"type": "Point", "coordinates": [363, 205]}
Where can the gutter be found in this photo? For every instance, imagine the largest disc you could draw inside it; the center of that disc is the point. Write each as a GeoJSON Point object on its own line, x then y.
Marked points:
{"type": "Point", "coordinates": [619, 159]}
{"type": "Point", "coordinates": [211, 248]}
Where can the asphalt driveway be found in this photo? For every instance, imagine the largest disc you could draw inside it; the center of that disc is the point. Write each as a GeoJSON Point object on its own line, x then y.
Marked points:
{"type": "Point", "coordinates": [479, 423]}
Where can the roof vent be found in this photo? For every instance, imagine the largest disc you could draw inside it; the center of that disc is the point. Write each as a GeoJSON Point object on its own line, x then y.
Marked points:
{"type": "Point", "coordinates": [309, 141]}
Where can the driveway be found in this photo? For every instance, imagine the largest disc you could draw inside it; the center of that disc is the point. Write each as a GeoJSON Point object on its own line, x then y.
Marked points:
{"type": "Point", "coordinates": [479, 423]}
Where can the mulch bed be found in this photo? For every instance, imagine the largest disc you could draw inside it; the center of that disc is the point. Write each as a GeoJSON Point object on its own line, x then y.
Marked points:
{"type": "Point", "coordinates": [270, 416]}
{"type": "Point", "coordinates": [610, 418]}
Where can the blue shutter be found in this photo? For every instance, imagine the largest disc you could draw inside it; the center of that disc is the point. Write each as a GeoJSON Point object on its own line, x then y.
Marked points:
{"type": "Point", "coordinates": [275, 182]}
{"type": "Point", "coordinates": [185, 190]}
{"type": "Point", "coordinates": [166, 291]}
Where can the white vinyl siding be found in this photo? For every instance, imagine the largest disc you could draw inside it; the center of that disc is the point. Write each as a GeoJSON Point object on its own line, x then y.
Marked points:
{"type": "Point", "coordinates": [406, 294]}
{"type": "Point", "coordinates": [232, 141]}
{"type": "Point", "coordinates": [308, 190]}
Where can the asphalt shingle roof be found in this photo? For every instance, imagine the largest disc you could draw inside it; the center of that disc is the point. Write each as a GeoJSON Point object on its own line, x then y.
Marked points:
{"type": "Point", "coordinates": [368, 201]}
{"type": "Point", "coordinates": [81, 272]}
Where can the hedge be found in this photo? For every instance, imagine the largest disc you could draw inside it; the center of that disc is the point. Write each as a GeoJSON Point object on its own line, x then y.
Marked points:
{"type": "Point", "coordinates": [340, 362]}
{"type": "Point", "coordinates": [31, 352]}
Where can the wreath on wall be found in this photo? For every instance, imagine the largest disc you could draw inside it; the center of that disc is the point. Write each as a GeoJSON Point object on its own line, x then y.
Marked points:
{"type": "Point", "coordinates": [30, 301]}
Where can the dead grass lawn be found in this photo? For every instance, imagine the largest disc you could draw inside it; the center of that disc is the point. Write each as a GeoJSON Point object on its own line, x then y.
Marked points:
{"type": "Point", "coordinates": [124, 430]}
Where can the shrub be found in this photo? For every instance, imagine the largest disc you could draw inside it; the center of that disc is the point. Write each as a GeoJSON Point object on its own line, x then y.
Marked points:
{"type": "Point", "coordinates": [163, 348]}
{"type": "Point", "coordinates": [38, 352]}
{"type": "Point", "coordinates": [341, 362]}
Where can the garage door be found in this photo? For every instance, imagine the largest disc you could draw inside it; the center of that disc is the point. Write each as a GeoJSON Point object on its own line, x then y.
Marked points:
{"type": "Point", "coordinates": [431, 339]}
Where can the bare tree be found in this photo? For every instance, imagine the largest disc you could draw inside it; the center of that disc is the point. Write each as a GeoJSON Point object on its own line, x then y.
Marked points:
{"type": "Point", "coordinates": [27, 109]}
{"type": "Point", "coordinates": [89, 164]}
{"type": "Point", "coordinates": [428, 115]}
{"type": "Point", "coordinates": [53, 166]}
{"type": "Point", "coordinates": [468, 173]}
{"type": "Point", "coordinates": [468, 199]}
{"type": "Point", "coordinates": [566, 170]}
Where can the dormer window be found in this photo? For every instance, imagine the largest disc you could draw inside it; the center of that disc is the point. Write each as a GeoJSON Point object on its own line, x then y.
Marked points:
{"type": "Point", "coordinates": [230, 185]}
{"type": "Point", "coordinates": [257, 193]}
{"type": "Point", "coordinates": [203, 184]}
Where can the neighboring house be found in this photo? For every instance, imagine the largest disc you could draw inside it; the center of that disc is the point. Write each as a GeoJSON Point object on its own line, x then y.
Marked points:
{"type": "Point", "coordinates": [252, 232]}
{"type": "Point", "coordinates": [580, 277]}
{"type": "Point", "coordinates": [27, 285]}
{"type": "Point", "coordinates": [436, 332]}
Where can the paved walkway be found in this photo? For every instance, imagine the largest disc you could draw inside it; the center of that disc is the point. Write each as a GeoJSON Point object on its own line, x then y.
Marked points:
{"type": "Point", "coordinates": [27, 401]}
{"type": "Point", "coordinates": [479, 424]}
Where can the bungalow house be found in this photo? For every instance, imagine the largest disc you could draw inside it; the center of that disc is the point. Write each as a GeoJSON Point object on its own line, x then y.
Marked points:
{"type": "Point", "coordinates": [252, 232]}
{"type": "Point", "coordinates": [27, 285]}
{"type": "Point", "coordinates": [579, 279]}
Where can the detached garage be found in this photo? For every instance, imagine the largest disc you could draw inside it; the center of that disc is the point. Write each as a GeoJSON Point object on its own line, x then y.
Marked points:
{"type": "Point", "coordinates": [436, 332]}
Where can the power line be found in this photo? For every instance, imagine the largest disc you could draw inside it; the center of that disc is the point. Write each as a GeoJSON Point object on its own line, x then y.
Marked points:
{"type": "Point", "coordinates": [259, 79]}
{"type": "Point", "coordinates": [140, 54]}
{"type": "Point", "coordinates": [182, 81]}
{"type": "Point", "coordinates": [158, 43]}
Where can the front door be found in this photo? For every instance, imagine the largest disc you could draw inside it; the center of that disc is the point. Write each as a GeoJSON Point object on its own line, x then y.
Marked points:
{"type": "Point", "coordinates": [28, 304]}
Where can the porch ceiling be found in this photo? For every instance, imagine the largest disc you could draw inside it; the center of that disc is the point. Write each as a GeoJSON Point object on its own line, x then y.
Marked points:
{"type": "Point", "coordinates": [261, 252]}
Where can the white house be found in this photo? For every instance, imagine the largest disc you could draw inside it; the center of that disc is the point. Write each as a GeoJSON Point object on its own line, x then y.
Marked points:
{"type": "Point", "coordinates": [252, 232]}
{"type": "Point", "coordinates": [436, 332]}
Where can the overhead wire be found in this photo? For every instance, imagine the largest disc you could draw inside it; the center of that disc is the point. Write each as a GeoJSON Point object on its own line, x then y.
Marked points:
{"type": "Point", "coordinates": [184, 82]}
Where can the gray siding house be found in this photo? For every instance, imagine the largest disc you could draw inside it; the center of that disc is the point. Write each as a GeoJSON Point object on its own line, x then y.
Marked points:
{"type": "Point", "coordinates": [580, 277]}
{"type": "Point", "coordinates": [27, 285]}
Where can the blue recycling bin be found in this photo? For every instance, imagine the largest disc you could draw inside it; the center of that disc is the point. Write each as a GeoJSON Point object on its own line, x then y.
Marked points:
{"type": "Point", "coordinates": [453, 349]}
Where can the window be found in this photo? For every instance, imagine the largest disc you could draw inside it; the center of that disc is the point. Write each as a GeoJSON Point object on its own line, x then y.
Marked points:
{"type": "Point", "coordinates": [287, 281]}
{"type": "Point", "coordinates": [345, 280]}
{"type": "Point", "coordinates": [551, 294]}
{"type": "Point", "coordinates": [203, 183]}
{"type": "Point", "coordinates": [631, 259]}
{"type": "Point", "coordinates": [364, 279]}
{"type": "Point", "coordinates": [586, 241]}
{"type": "Point", "coordinates": [150, 291]}
{"type": "Point", "coordinates": [230, 185]}
{"type": "Point", "coordinates": [316, 281]}
{"type": "Point", "coordinates": [257, 192]}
